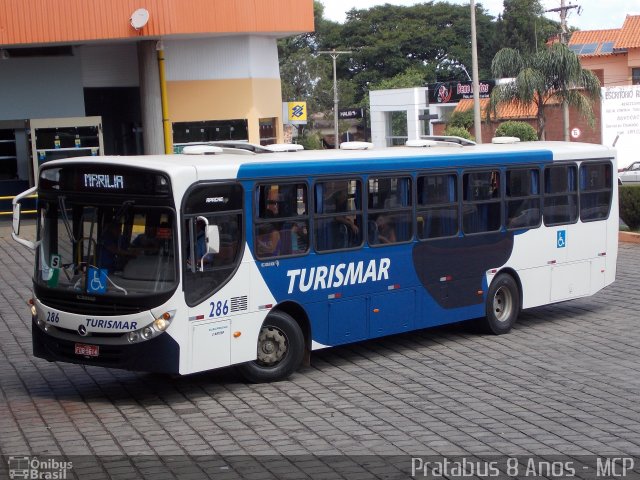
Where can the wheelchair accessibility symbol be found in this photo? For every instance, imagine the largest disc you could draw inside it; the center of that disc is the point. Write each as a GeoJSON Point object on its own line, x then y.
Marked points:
{"type": "Point", "coordinates": [562, 239]}
{"type": "Point", "coordinates": [97, 281]}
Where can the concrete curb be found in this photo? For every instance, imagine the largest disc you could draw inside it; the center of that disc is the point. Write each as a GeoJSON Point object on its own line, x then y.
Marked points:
{"type": "Point", "coordinates": [629, 237]}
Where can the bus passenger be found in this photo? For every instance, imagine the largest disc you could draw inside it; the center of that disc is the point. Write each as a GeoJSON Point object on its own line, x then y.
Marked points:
{"type": "Point", "coordinates": [112, 254]}
{"type": "Point", "coordinates": [386, 230]}
{"type": "Point", "coordinates": [341, 205]}
{"type": "Point", "coordinates": [268, 240]}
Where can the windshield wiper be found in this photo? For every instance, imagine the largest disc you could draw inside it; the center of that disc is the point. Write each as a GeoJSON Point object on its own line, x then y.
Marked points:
{"type": "Point", "coordinates": [121, 211]}
{"type": "Point", "coordinates": [65, 218]}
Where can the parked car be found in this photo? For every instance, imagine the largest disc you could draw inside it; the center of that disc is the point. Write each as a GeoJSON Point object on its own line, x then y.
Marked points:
{"type": "Point", "coordinates": [631, 175]}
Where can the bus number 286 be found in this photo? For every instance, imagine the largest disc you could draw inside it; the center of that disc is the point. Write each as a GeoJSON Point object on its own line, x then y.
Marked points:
{"type": "Point", "coordinates": [219, 308]}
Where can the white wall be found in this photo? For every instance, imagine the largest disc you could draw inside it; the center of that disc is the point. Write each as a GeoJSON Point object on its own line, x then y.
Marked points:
{"type": "Point", "coordinates": [222, 58]}
{"type": "Point", "coordinates": [410, 100]}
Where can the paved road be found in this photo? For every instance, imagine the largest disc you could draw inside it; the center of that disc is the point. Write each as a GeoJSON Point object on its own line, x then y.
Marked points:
{"type": "Point", "coordinates": [566, 381]}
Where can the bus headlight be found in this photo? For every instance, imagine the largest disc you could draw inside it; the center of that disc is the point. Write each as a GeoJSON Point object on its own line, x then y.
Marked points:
{"type": "Point", "coordinates": [149, 331]}
{"type": "Point", "coordinates": [32, 307]}
{"type": "Point", "coordinates": [161, 324]}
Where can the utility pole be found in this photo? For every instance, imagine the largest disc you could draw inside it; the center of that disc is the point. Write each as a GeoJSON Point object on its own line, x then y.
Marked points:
{"type": "Point", "coordinates": [564, 40]}
{"type": "Point", "coordinates": [334, 55]}
{"type": "Point", "coordinates": [477, 126]}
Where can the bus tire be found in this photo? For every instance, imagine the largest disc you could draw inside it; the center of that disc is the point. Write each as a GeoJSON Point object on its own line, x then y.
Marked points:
{"type": "Point", "coordinates": [280, 350]}
{"type": "Point", "coordinates": [502, 306]}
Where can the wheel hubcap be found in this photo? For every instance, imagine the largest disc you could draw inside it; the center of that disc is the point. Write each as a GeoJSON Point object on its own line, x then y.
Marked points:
{"type": "Point", "coordinates": [272, 346]}
{"type": "Point", "coordinates": [502, 304]}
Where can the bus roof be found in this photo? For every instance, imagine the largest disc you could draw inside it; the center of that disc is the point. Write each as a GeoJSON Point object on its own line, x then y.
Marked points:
{"type": "Point", "coordinates": [310, 162]}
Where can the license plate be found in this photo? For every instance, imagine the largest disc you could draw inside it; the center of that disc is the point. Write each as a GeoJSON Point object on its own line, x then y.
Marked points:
{"type": "Point", "coordinates": [87, 350]}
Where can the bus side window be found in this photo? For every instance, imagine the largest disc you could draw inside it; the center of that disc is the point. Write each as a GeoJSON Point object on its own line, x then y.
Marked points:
{"type": "Point", "coordinates": [281, 223]}
{"type": "Point", "coordinates": [437, 206]}
{"type": "Point", "coordinates": [523, 198]}
{"type": "Point", "coordinates": [338, 219]}
{"type": "Point", "coordinates": [390, 210]}
{"type": "Point", "coordinates": [595, 191]}
{"type": "Point", "coordinates": [560, 195]}
{"type": "Point", "coordinates": [481, 202]}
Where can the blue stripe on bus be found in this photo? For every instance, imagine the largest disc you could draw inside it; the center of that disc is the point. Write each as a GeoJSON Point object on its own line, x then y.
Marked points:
{"type": "Point", "coordinates": [332, 166]}
{"type": "Point", "coordinates": [392, 289]}
{"type": "Point", "coordinates": [351, 296]}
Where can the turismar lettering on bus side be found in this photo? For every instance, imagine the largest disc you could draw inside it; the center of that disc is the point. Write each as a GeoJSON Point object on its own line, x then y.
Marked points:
{"type": "Point", "coordinates": [335, 276]}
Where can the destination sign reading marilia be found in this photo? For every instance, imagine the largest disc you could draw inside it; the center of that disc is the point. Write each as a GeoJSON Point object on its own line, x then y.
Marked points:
{"type": "Point", "coordinates": [94, 180]}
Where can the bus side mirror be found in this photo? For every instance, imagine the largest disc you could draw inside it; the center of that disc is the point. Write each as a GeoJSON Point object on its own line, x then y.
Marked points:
{"type": "Point", "coordinates": [213, 239]}
{"type": "Point", "coordinates": [15, 227]}
{"type": "Point", "coordinates": [16, 219]}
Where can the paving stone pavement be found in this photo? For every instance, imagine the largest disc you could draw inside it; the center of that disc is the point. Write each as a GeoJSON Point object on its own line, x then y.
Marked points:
{"type": "Point", "coordinates": [565, 381]}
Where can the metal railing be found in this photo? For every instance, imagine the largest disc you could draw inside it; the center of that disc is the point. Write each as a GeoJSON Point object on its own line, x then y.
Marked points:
{"type": "Point", "coordinates": [11, 197]}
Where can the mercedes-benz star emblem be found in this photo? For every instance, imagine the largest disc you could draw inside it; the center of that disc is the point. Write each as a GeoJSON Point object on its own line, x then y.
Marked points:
{"type": "Point", "coordinates": [82, 330]}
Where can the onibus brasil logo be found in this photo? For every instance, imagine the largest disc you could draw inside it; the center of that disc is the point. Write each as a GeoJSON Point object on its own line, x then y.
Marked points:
{"type": "Point", "coordinates": [38, 469]}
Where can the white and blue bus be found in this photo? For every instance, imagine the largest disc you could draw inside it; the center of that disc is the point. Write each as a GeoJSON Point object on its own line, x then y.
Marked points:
{"type": "Point", "coordinates": [185, 263]}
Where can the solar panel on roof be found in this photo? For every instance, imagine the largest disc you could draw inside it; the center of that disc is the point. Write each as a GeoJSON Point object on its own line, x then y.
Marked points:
{"type": "Point", "coordinates": [589, 48]}
{"type": "Point", "coordinates": [575, 48]}
{"type": "Point", "coordinates": [607, 47]}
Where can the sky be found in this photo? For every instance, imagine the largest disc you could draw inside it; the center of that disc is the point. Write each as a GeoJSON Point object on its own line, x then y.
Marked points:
{"type": "Point", "coordinates": [595, 14]}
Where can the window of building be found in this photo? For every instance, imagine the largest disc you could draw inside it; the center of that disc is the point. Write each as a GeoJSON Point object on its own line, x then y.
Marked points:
{"type": "Point", "coordinates": [635, 76]}
{"type": "Point", "coordinates": [268, 133]}
{"type": "Point", "coordinates": [210, 130]}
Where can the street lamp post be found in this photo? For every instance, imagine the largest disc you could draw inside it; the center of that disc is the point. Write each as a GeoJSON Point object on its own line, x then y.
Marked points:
{"type": "Point", "coordinates": [474, 72]}
{"type": "Point", "coordinates": [334, 55]}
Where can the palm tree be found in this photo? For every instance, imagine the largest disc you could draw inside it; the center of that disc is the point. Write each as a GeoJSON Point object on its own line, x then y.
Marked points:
{"type": "Point", "coordinates": [550, 76]}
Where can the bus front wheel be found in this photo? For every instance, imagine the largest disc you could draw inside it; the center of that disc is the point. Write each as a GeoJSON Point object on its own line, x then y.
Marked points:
{"type": "Point", "coordinates": [503, 305]}
{"type": "Point", "coordinates": [280, 350]}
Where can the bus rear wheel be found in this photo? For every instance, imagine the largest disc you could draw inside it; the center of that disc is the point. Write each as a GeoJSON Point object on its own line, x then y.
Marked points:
{"type": "Point", "coordinates": [280, 350]}
{"type": "Point", "coordinates": [502, 306]}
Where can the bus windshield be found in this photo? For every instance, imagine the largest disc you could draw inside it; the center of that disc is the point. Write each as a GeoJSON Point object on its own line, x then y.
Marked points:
{"type": "Point", "coordinates": [106, 250]}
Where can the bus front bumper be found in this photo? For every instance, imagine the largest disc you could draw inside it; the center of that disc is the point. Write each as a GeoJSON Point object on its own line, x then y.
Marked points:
{"type": "Point", "coordinates": [158, 355]}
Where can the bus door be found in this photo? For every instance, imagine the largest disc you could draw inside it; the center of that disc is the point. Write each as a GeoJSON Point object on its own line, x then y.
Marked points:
{"type": "Point", "coordinates": [213, 242]}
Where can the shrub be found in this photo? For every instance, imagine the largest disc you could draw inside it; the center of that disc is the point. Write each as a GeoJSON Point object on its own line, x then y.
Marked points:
{"type": "Point", "coordinates": [629, 199]}
{"type": "Point", "coordinates": [458, 132]}
{"type": "Point", "coordinates": [461, 119]}
{"type": "Point", "coordinates": [522, 130]}
{"type": "Point", "coordinates": [310, 141]}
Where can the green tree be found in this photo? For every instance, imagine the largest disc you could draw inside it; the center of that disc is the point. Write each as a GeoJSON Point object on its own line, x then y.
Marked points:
{"type": "Point", "coordinates": [552, 75]}
{"type": "Point", "coordinates": [305, 75]}
{"type": "Point", "coordinates": [524, 27]}
{"type": "Point", "coordinates": [434, 38]}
